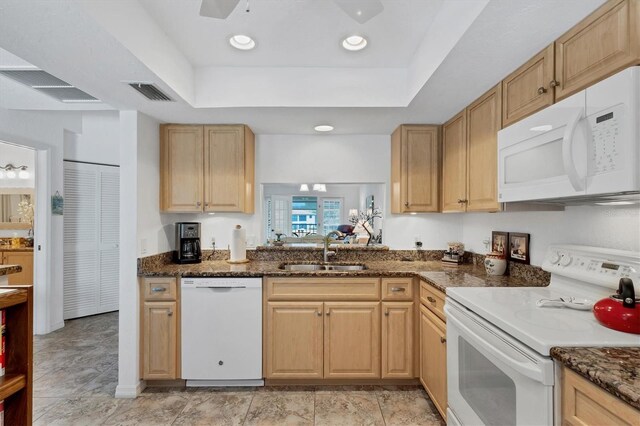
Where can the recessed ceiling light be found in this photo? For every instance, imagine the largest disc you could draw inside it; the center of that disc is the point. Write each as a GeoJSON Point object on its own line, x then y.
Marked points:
{"type": "Point", "coordinates": [354, 43]}
{"type": "Point", "coordinates": [242, 42]}
{"type": "Point", "coordinates": [323, 128]}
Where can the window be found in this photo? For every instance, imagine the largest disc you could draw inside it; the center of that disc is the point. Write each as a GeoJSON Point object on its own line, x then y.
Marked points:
{"type": "Point", "coordinates": [304, 215]}
{"type": "Point", "coordinates": [331, 214]}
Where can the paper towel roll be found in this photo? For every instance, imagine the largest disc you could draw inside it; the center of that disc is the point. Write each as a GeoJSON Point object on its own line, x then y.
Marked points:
{"type": "Point", "coordinates": [238, 244]}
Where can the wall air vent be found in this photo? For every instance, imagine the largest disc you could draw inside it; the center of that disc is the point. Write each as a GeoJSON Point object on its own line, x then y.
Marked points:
{"type": "Point", "coordinates": [150, 91]}
{"type": "Point", "coordinates": [45, 83]}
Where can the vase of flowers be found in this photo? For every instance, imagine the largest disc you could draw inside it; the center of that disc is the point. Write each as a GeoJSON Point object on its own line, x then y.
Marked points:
{"type": "Point", "coordinates": [26, 212]}
{"type": "Point", "coordinates": [363, 219]}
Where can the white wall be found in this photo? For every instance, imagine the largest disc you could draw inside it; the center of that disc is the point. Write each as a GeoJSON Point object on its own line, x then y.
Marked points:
{"type": "Point", "coordinates": [99, 141]}
{"type": "Point", "coordinates": [613, 227]}
{"type": "Point", "coordinates": [296, 159]}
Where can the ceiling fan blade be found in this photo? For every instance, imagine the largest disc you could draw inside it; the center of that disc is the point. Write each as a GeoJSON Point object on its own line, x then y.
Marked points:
{"type": "Point", "coordinates": [219, 9]}
{"type": "Point", "coordinates": [360, 10]}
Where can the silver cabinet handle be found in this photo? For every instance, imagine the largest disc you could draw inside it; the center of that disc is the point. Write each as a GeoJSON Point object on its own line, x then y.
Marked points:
{"type": "Point", "coordinates": [406, 204]}
{"type": "Point", "coordinates": [319, 313]}
{"type": "Point", "coordinates": [158, 289]}
{"type": "Point", "coordinates": [386, 314]}
{"type": "Point", "coordinates": [327, 314]}
{"type": "Point", "coordinates": [443, 340]}
{"type": "Point", "coordinates": [198, 203]}
{"type": "Point", "coordinates": [554, 83]}
{"type": "Point", "coordinates": [431, 299]}
{"type": "Point", "coordinates": [397, 289]}
{"type": "Point", "coordinates": [170, 312]}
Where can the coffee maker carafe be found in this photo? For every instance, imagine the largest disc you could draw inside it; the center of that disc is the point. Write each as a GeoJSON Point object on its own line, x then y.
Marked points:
{"type": "Point", "coordinates": [187, 243]}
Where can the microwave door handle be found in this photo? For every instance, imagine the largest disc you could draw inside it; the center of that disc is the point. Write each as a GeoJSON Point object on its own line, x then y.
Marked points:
{"type": "Point", "coordinates": [567, 151]}
{"type": "Point", "coordinates": [521, 367]}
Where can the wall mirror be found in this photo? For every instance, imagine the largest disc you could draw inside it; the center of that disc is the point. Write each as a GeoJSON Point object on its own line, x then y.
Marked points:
{"type": "Point", "coordinates": [303, 213]}
{"type": "Point", "coordinates": [10, 199]}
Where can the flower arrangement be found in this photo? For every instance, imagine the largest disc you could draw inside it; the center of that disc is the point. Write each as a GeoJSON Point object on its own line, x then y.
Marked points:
{"type": "Point", "coordinates": [25, 210]}
{"type": "Point", "coordinates": [364, 219]}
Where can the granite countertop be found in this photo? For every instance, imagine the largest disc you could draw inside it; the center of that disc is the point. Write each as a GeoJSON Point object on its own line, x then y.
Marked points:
{"type": "Point", "coordinates": [436, 273]}
{"type": "Point", "coordinates": [10, 269]}
{"type": "Point", "coordinates": [617, 370]}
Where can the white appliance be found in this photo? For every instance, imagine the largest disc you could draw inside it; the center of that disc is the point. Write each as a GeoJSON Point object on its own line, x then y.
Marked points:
{"type": "Point", "coordinates": [222, 331]}
{"type": "Point", "coordinates": [498, 340]}
{"type": "Point", "coordinates": [584, 146]}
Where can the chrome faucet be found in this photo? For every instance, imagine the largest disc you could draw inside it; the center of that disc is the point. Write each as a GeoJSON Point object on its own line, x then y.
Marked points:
{"type": "Point", "coordinates": [326, 252]}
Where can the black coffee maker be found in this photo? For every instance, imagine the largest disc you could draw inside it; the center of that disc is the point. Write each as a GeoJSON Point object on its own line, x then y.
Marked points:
{"type": "Point", "coordinates": [187, 243]}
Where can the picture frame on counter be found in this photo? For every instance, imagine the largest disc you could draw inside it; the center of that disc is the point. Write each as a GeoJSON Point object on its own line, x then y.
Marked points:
{"type": "Point", "coordinates": [519, 248]}
{"type": "Point", "coordinates": [500, 243]}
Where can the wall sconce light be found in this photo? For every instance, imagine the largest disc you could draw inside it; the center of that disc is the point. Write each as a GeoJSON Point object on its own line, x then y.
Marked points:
{"type": "Point", "coordinates": [11, 172]}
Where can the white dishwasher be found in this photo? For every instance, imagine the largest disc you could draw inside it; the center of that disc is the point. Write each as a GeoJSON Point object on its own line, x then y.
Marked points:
{"type": "Point", "coordinates": [222, 331]}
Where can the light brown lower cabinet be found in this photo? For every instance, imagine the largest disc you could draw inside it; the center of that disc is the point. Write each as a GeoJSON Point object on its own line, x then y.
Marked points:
{"type": "Point", "coordinates": [433, 358]}
{"type": "Point", "coordinates": [294, 340]}
{"type": "Point", "coordinates": [397, 340]}
{"type": "Point", "coordinates": [584, 404]}
{"type": "Point", "coordinates": [160, 332]}
{"type": "Point", "coordinates": [22, 258]}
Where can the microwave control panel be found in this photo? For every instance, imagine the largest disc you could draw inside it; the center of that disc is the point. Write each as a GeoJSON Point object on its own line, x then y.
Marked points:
{"type": "Point", "coordinates": [605, 147]}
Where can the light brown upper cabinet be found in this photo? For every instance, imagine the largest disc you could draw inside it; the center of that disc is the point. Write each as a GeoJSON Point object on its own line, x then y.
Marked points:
{"type": "Point", "coordinates": [206, 168]}
{"type": "Point", "coordinates": [529, 88]}
{"type": "Point", "coordinates": [470, 156]}
{"type": "Point", "coordinates": [415, 169]}
{"type": "Point", "coordinates": [605, 42]}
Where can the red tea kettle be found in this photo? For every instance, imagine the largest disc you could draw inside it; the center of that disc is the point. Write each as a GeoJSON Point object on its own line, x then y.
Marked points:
{"type": "Point", "coordinates": [620, 311]}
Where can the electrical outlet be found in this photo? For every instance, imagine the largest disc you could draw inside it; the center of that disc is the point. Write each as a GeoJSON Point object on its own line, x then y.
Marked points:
{"type": "Point", "coordinates": [213, 242]}
{"type": "Point", "coordinates": [143, 246]}
{"type": "Point", "coordinates": [417, 242]}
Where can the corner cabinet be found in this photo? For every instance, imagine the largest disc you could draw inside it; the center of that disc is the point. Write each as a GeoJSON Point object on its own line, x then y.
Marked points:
{"type": "Point", "coordinates": [415, 169]}
{"type": "Point", "coordinates": [206, 168]}
{"type": "Point", "coordinates": [470, 156]}
{"type": "Point", "coordinates": [160, 332]}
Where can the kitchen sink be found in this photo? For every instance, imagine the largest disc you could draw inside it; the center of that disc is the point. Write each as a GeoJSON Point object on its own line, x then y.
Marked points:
{"type": "Point", "coordinates": [321, 267]}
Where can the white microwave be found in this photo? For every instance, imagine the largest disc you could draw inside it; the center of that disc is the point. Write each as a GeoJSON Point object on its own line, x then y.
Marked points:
{"type": "Point", "coordinates": [583, 147]}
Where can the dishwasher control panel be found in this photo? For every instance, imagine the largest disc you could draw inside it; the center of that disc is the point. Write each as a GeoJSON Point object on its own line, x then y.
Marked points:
{"type": "Point", "coordinates": [223, 282]}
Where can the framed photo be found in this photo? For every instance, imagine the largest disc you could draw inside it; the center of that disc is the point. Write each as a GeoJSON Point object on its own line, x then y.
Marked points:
{"type": "Point", "coordinates": [57, 204]}
{"type": "Point", "coordinates": [500, 243]}
{"type": "Point", "coordinates": [519, 248]}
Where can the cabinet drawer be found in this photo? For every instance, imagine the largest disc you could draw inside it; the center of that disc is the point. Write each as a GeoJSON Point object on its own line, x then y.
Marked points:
{"type": "Point", "coordinates": [432, 299]}
{"type": "Point", "coordinates": [397, 289]}
{"type": "Point", "coordinates": [162, 288]}
{"type": "Point", "coordinates": [313, 288]}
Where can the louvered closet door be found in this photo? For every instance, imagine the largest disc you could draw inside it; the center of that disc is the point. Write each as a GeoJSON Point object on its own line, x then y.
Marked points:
{"type": "Point", "coordinates": [91, 239]}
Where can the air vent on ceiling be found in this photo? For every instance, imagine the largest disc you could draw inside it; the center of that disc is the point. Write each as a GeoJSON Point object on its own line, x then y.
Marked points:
{"type": "Point", "coordinates": [45, 83]}
{"type": "Point", "coordinates": [150, 91]}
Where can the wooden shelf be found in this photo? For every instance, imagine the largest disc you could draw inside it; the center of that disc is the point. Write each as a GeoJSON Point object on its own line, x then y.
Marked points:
{"type": "Point", "coordinates": [10, 384]}
{"type": "Point", "coordinates": [12, 297]}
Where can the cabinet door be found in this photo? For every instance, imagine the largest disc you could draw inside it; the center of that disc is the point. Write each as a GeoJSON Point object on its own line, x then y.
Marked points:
{"type": "Point", "coordinates": [294, 340]}
{"type": "Point", "coordinates": [483, 123]}
{"type": "Point", "coordinates": [529, 88]}
{"type": "Point", "coordinates": [397, 340]}
{"type": "Point", "coordinates": [224, 168]}
{"type": "Point", "coordinates": [159, 337]}
{"type": "Point", "coordinates": [352, 340]}
{"type": "Point", "coordinates": [24, 259]}
{"type": "Point", "coordinates": [181, 168]}
{"type": "Point", "coordinates": [433, 358]}
{"type": "Point", "coordinates": [420, 169]}
{"type": "Point", "coordinates": [454, 164]}
{"type": "Point", "coordinates": [605, 42]}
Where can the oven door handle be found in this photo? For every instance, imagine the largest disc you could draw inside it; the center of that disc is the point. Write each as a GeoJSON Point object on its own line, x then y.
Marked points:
{"type": "Point", "coordinates": [523, 368]}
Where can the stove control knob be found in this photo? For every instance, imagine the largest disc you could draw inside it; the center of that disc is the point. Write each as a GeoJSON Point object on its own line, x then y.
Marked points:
{"type": "Point", "coordinates": [565, 259]}
{"type": "Point", "coordinates": [554, 257]}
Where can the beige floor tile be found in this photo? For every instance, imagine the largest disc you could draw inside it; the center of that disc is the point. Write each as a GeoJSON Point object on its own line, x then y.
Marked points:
{"type": "Point", "coordinates": [151, 410]}
{"type": "Point", "coordinates": [281, 408]}
{"type": "Point", "coordinates": [64, 383]}
{"type": "Point", "coordinates": [347, 408]}
{"type": "Point", "coordinates": [216, 408]}
{"type": "Point", "coordinates": [42, 405]}
{"type": "Point", "coordinates": [81, 412]}
{"type": "Point", "coordinates": [103, 385]}
{"type": "Point", "coordinates": [410, 408]}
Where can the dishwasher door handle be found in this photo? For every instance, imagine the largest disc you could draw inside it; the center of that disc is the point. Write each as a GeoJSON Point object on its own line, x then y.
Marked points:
{"type": "Point", "coordinates": [228, 287]}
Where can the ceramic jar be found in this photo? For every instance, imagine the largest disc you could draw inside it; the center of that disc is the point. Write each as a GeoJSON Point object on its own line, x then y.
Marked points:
{"type": "Point", "coordinates": [495, 263]}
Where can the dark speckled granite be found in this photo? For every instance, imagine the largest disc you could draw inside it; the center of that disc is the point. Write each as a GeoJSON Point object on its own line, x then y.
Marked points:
{"type": "Point", "coordinates": [617, 370]}
{"type": "Point", "coordinates": [10, 269]}
{"type": "Point", "coordinates": [435, 272]}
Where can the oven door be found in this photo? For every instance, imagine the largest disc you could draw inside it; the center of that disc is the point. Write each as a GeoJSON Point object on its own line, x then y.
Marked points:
{"type": "Point", "coordinates": [492, 378]}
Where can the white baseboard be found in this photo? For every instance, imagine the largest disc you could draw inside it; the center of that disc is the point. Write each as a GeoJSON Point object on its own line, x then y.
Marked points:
{"type": "Point", "coordinates": [51, 328]}
{"type": "Point", "coordinates": [130, 391]}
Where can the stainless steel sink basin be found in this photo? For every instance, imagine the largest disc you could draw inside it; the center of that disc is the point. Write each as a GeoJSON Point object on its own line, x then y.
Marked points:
{"type": "Point", "coordinates": [320, 267]}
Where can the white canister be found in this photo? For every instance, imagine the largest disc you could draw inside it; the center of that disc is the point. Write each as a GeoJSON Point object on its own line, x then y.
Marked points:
{"type": "Point", "coordinates": [495, 264]}
{"type": "Point", "coordinates": [238, 244]}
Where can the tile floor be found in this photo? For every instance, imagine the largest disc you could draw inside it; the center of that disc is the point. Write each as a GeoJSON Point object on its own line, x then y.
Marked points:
{"type": "Point", "coordinates": [76, 371]}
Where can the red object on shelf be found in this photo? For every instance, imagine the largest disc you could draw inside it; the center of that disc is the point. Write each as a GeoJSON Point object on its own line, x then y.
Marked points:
{"type": "Point", "coordinates": [620, 311]}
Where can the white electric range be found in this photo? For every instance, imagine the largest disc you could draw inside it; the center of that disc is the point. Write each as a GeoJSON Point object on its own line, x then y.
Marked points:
{"type": "Point", "coordinates": [499, 339]}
